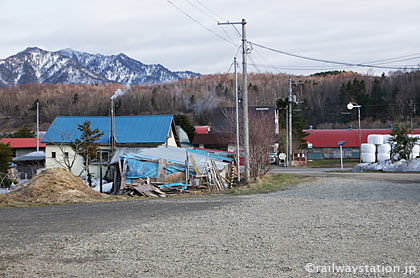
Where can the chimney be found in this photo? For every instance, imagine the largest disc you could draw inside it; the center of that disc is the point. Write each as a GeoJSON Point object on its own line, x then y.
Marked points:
{"type": "Point", "coordinates": [112, 126]}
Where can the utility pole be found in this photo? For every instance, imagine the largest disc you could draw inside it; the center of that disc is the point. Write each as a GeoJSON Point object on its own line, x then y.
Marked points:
{"type": "Point", "coordinates": [245, 96]}
{"type": "Point", "coordinates": [290, 100]}
{"type": "Point", "coordinates": [100, 171]}
{"type": "Point", "coordinates": [237, 121]}
{"type": "Point", "coordinates": [413, 112]}
{"type": "Point", "coordinates": [287, 136]}
{"type": "Point", "coordinates": [37, 125]}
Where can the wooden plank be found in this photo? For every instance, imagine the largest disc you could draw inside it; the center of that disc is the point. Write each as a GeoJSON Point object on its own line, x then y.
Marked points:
{"type": "Point", "coordinates": [124, 171]}
{"type": "Point", "coordinates": [187, 168]}
{"type": "Point", "coordinates": [161, 170]}
{"type": "Point", "coordinates": [197, 171]}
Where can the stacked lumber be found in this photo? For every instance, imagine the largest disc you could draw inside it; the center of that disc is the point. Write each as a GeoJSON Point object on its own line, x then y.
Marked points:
{"type": "Point", "coordinates": [144, 189]}
{"type": "Point", "coordinates": [215, 181]}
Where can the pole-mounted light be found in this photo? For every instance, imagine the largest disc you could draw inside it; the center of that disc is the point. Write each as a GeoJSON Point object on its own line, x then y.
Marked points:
{"type": "Point", "coordinates": [350, 106]}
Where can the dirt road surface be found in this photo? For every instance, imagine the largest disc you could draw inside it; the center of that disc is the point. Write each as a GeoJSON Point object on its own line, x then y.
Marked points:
{"type": "Point", "coordinates": [333, 220]}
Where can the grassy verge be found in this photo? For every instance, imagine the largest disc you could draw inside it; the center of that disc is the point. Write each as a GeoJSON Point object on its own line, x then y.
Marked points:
{"type": "Point", "coordinates": [333, 163]}
{"type": "Point", "coordinates": [10, 201]}
{"type": "Point", "coordinates": [269, 183]}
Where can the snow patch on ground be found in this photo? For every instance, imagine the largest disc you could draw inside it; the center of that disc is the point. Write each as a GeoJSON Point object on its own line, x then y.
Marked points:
{"type": "Point", "coordinates": [412, 165]}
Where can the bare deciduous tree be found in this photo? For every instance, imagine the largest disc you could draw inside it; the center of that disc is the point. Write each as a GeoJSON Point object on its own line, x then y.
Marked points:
{"type": "Point", "coordinates": [262, 137]}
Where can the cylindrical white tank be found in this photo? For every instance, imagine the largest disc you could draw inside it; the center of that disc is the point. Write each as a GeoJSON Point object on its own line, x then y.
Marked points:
{"type": "Point", "coordinates": [376, 139]}
{"type": "Point", "coordinates": [384, 148]}
{"type": "Point", "coordinates": [414, 155]}
{"type": "Point", "coordinates": [368, 148]}
{"type": "Point", "coordinates": [368, 157]}
{"type": "Point", "coordinates": [386, 139]}
{"type": "Point", "coordinates": [383, 156]}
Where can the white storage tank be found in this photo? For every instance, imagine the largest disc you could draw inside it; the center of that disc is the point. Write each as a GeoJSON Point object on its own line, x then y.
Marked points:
{"type": "Point", "coordinates": [376, 139]}
{"type": "Point", "coordinates": [368, 148]}
{"type": "Point", "coordinates": [368, 157]}
{"type": "Point", "coordinates": [383, 156]}
{"type": "Point", "coordinates": [384, 148]}
{"type": "Point", "coordinates": [387, 138]}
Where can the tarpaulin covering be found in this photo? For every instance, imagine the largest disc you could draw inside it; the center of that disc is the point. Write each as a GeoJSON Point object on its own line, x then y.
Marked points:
{"type": "Point", "coordinates": [215, 155]}
{"type": "Point", "coordinates": [143, 169]}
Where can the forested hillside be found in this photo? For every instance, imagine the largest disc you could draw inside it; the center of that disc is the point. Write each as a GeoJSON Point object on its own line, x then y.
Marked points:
{"type": "Point", "coordinates": [384, 99]}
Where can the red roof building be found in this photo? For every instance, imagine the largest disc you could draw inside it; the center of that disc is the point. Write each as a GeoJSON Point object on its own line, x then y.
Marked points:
{"type": "Point", "coordinates": [201, 129]}
{"type": "Point", "coordinates": [328, 138]}
{"type": "Point", "coordinates": [20, 143]}
{"type": "Point", "coordinates": [22, 146]}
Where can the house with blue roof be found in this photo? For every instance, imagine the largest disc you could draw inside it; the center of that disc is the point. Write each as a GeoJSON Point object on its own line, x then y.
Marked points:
{"type": "Point", "coordinates": [129, 132]}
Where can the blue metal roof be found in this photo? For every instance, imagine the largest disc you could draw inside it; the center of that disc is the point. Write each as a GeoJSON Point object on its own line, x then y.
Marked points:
{"type": "Point", "coordinates": [128, 129]}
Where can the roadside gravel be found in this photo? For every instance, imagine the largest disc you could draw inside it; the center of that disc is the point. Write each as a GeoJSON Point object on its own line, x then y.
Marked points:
{"type": "Point", "coordinates": [345, 221]}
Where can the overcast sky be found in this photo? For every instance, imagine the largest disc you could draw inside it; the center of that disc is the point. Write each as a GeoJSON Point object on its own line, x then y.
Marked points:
{"type": "Point", "coordinates": [154, 31]}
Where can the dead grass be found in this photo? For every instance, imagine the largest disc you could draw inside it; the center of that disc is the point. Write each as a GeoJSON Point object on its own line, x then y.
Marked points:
{"type": "Point", "coordinates": [54, 186]}
{"type": "Point", "coordinates": [269, 183]}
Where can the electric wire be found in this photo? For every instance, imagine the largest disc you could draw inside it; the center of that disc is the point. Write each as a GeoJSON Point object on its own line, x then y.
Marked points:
{"type": "Point", "coordinates": [329, 61]}
{"type": "Point", "coordinates": [217, 15]}
{"type": "Point", "coordinates": [399, 57]}
{"type": "Point", "coordinates": [201, 10]}
{"type": "Point", "coordinates": [196, 21]}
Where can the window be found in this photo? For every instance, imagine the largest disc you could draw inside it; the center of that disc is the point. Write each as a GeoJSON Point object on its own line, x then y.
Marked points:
{"type": "Point", "coordinates": [53, 154]}
{"type": "Point", "coordinates": [105, 156]}
{"type": "Point", "coordinates": [66, 155]}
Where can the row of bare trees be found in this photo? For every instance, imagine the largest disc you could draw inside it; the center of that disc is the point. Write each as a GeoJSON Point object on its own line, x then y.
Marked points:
{"type": "Point", "coordinates": [389, 98]}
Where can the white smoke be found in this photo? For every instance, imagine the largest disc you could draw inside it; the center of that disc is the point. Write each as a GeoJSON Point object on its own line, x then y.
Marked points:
{"type": "Point", "coordinates": [120, 92]}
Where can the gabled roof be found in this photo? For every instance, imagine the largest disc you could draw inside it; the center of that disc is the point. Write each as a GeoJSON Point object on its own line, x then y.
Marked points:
{"type": "Point", "coordinates": [213, 139]}
{"type": "Point", "coordinates": [201, 129]}
{"type": "Point", "coordinates": [33, 156]}
{"type": "Point", "coordinates": [128, 129]}
{"type": "Point", "coordinates": [21, 143]}
{"type": "Point", "coordinates": [328, 138]}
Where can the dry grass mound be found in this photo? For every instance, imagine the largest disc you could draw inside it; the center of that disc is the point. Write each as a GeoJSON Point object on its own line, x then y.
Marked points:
{"type": "Point", "coordinates": [54, 186]}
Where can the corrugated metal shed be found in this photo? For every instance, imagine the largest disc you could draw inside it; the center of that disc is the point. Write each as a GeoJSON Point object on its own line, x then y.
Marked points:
{"type": "Point", "coordinates": [128, 129]}
{"type": "Point", "coordinates": [33, 156]}
{"type": "Point", "coordinates": [328, 138]}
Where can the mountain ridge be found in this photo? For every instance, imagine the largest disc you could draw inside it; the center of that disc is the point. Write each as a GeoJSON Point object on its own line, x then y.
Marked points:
{"type": "Point", "coordinates": [68, 66]}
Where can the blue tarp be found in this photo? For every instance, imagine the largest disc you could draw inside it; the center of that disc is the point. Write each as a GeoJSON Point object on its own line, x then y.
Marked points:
{"type": "Point", "coordinates": [143, 169]}
{"type": "Point", "coordinates": [163, 186]}
{"type": "Point", "coordinates": [220, 156]}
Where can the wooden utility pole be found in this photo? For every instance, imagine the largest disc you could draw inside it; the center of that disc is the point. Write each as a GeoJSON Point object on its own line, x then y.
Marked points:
{"type": "Point", "coordinates": [100, 171]}
{"type": "Point", "coordinates": [37, 125]}
{"type": "Point", "coordinates": [290, 100]}
{"type": "Point", "coordinates": [244, 97]}
{"type": "Point", "coordinates": [237, 121]}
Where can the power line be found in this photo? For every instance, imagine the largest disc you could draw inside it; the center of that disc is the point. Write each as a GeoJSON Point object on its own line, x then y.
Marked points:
{"type": "Point", "coordinates": [295, 68]}
{"type": "Point", "coordinates": [406, 59]}
{"type": "Point", "coordinates": [329, 61]}
{"type": "Point", "coordinates": [212, 17]}
{"type": "Point", "coordinates": [205, 7]}
{"type": "Point", "coordinates": [255, 65]}
{"type": "Point", "coordinates": [383, 60]}
{"type": "Point", "coordinates": [201, 10]}
{"type": "Point", "coordinates": [196, 21]}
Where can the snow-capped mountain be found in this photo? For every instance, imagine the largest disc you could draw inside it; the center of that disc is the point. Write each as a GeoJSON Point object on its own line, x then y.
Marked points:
{"type": "Point", "coordinates": [34, 65]}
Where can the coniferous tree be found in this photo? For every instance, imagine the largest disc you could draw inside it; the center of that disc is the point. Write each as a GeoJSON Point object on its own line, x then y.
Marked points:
{"type": "Point", "coordinates": [402, 143]}
{"type": "Point", "coordinates": [87, 146]}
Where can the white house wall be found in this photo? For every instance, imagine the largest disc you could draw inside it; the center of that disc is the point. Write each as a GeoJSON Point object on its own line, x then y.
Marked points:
{"type": "Point", "coordinates": [171, 139]}
{"type": "Point", "coordinates": [57, 162]}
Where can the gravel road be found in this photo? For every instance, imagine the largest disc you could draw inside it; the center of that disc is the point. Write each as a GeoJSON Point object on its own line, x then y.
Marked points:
{"type": "Point", "coordinates": [349, 219]}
